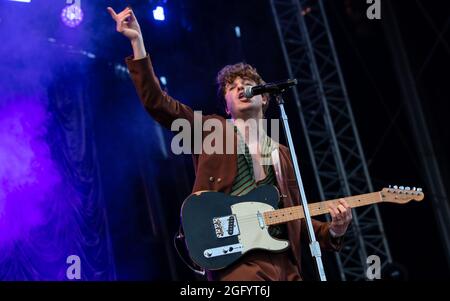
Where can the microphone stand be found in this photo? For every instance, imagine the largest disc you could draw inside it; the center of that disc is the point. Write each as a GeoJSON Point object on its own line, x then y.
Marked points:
{"type": "Point", "coordinates": [314, 245]}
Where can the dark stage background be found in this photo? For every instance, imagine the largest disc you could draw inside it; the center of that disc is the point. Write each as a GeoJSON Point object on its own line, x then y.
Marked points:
{"type": "Point", "coordinates": [85, 171]}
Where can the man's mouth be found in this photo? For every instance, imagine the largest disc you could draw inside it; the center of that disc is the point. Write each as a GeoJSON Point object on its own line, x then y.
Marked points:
{"type": "Point", "coordinates": [243, 98]}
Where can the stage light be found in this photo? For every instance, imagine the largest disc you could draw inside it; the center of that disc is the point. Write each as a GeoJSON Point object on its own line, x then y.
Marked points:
{"type": "Point", "coordinates": [163, 80]}
{"type": "Point", "coordinates": [158, 13]}
{"type": "Point", "coordinates": [237, 30]}
{"type": "Point", "coordinates": [72, 15]}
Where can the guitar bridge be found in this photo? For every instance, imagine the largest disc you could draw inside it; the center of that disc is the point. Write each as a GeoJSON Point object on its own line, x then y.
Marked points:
{"type": "Point", "coordinates": [225, 226]}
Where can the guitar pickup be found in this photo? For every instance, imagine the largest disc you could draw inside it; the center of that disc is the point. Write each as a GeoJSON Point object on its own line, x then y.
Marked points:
{"type": "Point", "coordinates": [225, 226]}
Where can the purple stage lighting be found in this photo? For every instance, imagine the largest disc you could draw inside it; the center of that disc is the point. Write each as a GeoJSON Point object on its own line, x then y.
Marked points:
{"type": "Point", "coordinates": [72, 15]}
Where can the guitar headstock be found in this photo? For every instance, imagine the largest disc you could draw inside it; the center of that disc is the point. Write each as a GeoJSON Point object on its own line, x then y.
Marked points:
{"type": "Point", "coordinates": [401, 195]}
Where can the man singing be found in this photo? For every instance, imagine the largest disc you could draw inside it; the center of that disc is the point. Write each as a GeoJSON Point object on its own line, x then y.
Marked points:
{"type": "Point", "coordinates": [238, 172]}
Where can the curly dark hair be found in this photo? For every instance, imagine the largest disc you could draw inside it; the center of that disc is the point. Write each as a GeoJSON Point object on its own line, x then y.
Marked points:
{"type": "Point", "coordinates": [230, 72]}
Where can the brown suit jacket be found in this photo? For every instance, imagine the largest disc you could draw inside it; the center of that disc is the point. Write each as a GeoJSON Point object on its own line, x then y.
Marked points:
{"type": "Point", "coordinates": [217, 171]}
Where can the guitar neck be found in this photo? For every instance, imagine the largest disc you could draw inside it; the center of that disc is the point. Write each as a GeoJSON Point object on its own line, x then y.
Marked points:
{"type": "Point", "coordinates": [296, 212]}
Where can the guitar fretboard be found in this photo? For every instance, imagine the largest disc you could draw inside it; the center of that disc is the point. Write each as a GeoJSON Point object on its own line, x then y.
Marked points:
{"type": "Point", "coordinates": [296, 212]}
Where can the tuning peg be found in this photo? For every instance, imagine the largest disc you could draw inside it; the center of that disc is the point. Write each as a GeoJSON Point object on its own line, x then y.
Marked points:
{"type": "Point", "coordinates": [419, 189]}
{"type": "Point", "coordinates": [407, 188]}
{"type": "Point", "coordinates": [414, 188]}
{"type": "Point", "coordinates": [401, 188]}
{"type": "Point", "coordinates": [395, 187]}
{"type": "Point", "coordinates": [390, 186]}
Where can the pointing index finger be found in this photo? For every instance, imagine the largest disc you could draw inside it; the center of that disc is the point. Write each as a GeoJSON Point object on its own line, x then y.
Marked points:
{"type": "Point", "coordinates": [112, 12]}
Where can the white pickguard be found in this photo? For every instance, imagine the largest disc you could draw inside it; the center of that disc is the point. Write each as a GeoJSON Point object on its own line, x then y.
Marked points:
{"type": "Point", "coordinates": [252, 236]}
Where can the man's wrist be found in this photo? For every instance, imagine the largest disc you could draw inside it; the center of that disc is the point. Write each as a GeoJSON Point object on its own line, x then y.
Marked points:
{"type": "Point", "coordinates": [137, 40]}
{"type": "Point", "coordinates": [138, 48]}
{"type": "Point", "coordinates": [334, 234]}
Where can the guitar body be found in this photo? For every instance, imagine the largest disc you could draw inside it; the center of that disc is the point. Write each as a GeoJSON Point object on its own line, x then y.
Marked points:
{"type": "Point", "coordinates": [219, 228]}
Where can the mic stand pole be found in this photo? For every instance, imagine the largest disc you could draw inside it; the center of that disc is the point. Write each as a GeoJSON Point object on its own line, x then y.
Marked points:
{"type": "Point", "coordinates": [314, 245]}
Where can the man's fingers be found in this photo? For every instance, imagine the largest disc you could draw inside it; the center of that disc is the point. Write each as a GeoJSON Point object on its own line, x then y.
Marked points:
{"type": "Point", "coordinates": [122, 21]}
{"type": "Point", "coordinates": [112, 12]}
{"type": "Point", "coordinates": [124, 17]}
{"type": "Point", "coordinates": [133, 17]}
{"type": "Point", "coordinates": [124, 12]}
{"type": "Point", "coordinates": [118, 16]}
{"type": "Point", "coordinates": [333, 215]}
{"type": "Point", "coordinates": [335, 210]}
{"type": "Point", "coordinates": [344, 203]}
{"type": "Point", "coordinates": [342, 209]}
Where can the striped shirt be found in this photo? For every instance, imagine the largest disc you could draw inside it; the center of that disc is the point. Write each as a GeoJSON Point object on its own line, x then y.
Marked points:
{"type": "Point", "coordinates": [245, 179]}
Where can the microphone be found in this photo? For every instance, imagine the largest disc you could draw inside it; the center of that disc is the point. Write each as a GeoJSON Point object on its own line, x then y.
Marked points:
{"type": "Point", "coordinates": [277, 87]}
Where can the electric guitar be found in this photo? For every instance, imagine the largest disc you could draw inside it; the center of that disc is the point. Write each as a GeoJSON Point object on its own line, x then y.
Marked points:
{"type": "Point", "coordinates": [220, 228]}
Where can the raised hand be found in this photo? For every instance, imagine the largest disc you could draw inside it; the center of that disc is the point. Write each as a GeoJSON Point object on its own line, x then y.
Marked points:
{"type": "Point", "coordinates": [126, 23]}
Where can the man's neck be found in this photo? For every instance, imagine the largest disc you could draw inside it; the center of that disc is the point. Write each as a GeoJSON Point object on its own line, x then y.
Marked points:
{"type": "Point", "coordinates": [250, 130]}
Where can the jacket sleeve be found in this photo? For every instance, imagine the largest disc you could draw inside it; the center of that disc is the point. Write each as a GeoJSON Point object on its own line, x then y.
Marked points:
{"type": "Point", "coordinates": [162, 107]}
{"type": "Point", "coordinates": [323, 235]}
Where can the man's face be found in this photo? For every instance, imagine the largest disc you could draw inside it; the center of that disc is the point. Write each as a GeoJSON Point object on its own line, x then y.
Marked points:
{"type": "Point", "coordinates": [238, 106]}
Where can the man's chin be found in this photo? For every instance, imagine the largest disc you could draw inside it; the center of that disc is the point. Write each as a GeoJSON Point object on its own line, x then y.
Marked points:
{"type": "Point", "coordinates": [246, 112]}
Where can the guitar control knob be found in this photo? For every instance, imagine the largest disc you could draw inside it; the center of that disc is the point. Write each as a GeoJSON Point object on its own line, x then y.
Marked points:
{"type": "Point", "coordinates": [230, 249]}
{"type": "Point", "coordinates": [208, 254]}
{"type": "Point", "coordinates": [225, 251]}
